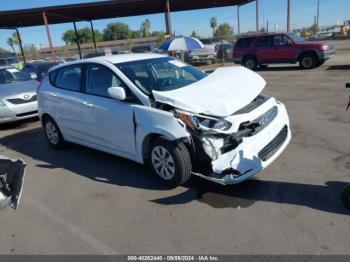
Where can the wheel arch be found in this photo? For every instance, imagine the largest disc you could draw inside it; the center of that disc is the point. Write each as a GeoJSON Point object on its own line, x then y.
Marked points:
{"type": "Point", "coordinates": [147, 141]}
{"type": "Point", "coordinates": [308, 51]}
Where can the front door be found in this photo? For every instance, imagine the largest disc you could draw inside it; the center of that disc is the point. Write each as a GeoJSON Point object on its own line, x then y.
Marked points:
{"type": "Point", "coordinates": [284, 51]}
{"type": "Point", "coordinates": [108, 122]}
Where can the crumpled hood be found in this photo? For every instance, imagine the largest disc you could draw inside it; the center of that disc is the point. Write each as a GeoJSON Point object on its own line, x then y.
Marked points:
{"type": "Point", "coordinates": [221, 93]}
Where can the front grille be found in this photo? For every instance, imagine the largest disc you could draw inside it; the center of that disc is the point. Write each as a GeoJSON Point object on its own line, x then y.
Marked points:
{"type": "Point", "coordinates": [258, 101]}
{"type": "Point", "coordinates": [27, 114]}
{"type": "Point", "coordinates": [19, 101]}
{"type": "Point", "coordinates": [274, 145]}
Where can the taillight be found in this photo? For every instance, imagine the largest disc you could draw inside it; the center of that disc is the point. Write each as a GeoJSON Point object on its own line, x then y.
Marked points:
{"type": "Point", "coordinates": [347, 108]}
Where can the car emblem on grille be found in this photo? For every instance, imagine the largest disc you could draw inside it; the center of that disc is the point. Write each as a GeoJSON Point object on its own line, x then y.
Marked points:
{"type": "Point", "coordinates": [263, 121]}
{"type": "Point", "coordinates": [26, 97]}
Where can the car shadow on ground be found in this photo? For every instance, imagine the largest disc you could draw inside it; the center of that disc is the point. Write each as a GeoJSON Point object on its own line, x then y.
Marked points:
{"type": "Point", "coordinates": [339, 67]}
{"type": "Point", "coordinates": [106, 168]}
{"type": "Point", "coordinates": [18, 124]}
{"type": "Point", "coordinates": [278, 68]}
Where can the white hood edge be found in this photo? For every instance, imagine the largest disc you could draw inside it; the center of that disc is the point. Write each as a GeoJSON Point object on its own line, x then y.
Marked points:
{"type": "Point", "coordinates": [222, 93]}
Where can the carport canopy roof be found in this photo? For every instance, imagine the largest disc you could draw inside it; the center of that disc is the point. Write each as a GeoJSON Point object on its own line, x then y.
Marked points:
{"type": "Point", "coordinates": [103, 10]}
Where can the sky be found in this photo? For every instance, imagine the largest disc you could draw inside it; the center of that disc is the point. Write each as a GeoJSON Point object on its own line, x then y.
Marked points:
{"type": "Point", "coordinates": [303, 12]}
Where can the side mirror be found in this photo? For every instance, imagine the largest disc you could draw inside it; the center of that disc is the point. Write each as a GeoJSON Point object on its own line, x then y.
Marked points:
{"type": "Point", "coordinates": [117, 92]}
{"type": "Point", "coordinates": [347, 85]}
{"type": "Point", "coordinates": [33, 76]}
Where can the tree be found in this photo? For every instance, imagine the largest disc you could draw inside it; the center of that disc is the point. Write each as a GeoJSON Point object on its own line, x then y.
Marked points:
{"type": "Point", "coordinates": [85, 36]}
{"type": "Point", "coordinates": [224, 32]}
{"type": "Point", "coordinates": [31, 51]}
{"type": "Point", "coordinates": [195, 35]}
{"type": "Point", "coordinates": [12, 41]}
{"type": "Point", "coordinates": [213, 24]}
{"type": "Point", "coordinates": [135, 34]}
{"type": "Point", "coordinates": [69, 37]}
{"type": "Point", "coordinates": [158, 33]}
{"type": "Point", "coordinates": [145, 28]}
{"type": "Point", "coordinates": [116, 31]}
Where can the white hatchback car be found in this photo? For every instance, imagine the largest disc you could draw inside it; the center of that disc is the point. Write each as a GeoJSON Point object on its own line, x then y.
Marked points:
{"type": "Point", "coordinates": [159, 111]}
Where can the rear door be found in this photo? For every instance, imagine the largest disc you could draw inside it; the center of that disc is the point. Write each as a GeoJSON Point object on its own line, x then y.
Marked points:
{"type": "Point", "coordinates": [108, 123]}
{"type": "Point", "coordinates": [65, 102]}
{"type": "Point", "coordinates": [264, 49]}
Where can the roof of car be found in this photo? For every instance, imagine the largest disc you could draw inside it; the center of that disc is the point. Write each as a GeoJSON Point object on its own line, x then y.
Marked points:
{"type": "Point", "coordinates": [263, 34]}
{"type": "Point", "coordinates": [114, 59]}
{"type": "Point", "coordinates": [122, 58]}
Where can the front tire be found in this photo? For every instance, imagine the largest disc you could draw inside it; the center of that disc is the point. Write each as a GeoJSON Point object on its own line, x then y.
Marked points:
{"type": "Point", "coordinates": [308, 61]}
{"type": "Point", "coordinates": [53, 133]}
{"type": "Point", "coordinates": [169, 161]}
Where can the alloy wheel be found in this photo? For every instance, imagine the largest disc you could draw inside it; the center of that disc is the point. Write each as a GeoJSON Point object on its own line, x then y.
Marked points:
{"type": "Point", "coordinates": [52, 133]}
{"type": "Point", "coordinates": [163, 162]}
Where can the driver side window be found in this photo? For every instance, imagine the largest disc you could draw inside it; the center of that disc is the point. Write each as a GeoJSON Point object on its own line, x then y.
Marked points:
{"type": "Point", "coordinates": [99, 79]}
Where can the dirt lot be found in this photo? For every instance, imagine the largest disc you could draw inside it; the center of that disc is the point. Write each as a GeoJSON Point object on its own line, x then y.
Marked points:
{"type": "Point", "coordinates": [80, 201]}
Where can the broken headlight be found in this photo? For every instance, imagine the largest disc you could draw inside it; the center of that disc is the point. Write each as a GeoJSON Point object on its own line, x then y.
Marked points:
{"type": "Point", "coordinates": [204, 123]}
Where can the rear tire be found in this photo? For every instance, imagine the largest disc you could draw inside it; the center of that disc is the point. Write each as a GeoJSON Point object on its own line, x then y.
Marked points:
{"type": "Point", "coordinates": [308, 61]}
{"type": "Point", "coordinates": [53, 133]}
{"type": "Point", "coordinates": [250, 62]}
{"type": "Point", "coordinates": [169, 161]}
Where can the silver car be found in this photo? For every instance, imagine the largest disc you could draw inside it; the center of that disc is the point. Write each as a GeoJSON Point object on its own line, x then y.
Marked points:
{"type": "Point", "coordinates": [18, 98]}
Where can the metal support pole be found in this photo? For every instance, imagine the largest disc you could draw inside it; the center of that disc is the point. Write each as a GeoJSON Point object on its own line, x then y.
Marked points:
{"type": "Point", "coordinates": [52, 50]}
{"type": "Point", "coordinates": [238, 21]}
{"type": "Point", "coordinates": [257, 15]}
{"type": "Point", "coordinates": [318, 14]}
{"type": "Point", "coordinates": [77, 40]}
{"type": "Point", "coordinates": [93, 36]}
{"type": "Point", "coordinates": [167, 18]}
{"type": "Point", "coordinates": [20, 45]}
{"type": "Point", "coordinates": [267, 25]}
{"type": "Point", "coordinates": [288, 16]}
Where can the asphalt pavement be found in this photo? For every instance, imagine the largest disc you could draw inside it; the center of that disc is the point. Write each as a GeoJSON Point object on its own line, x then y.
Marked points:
{"type": "Point", "coordinates": [81, 201]}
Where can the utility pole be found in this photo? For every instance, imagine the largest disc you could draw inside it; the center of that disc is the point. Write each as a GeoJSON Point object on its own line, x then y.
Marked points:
{"type": "Point", "coordinates": [267, 25]}
{"type": "Point", "coordinates": [288, 16]}
{"type": "Point", "coordinates": [318, 14]}
{"type": "Point", "coordinates": [238, 22]}
{"type": "Point", "coordinates": [257, 16]}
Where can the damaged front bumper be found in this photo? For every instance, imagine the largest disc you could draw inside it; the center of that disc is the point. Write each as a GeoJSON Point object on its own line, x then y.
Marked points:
{"type": "Point", "coordinates": [12, 173]}
{"type": "Point", "coordinates": [254, 152]}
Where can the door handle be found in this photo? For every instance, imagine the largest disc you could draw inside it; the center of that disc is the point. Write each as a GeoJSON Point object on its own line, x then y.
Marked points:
{"type": "Point", "coordinates": [88, 104]}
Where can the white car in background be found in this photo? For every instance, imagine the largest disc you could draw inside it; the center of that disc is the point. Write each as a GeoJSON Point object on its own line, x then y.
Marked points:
{"type": "Point", "coordinates": [158, 111]}
{"type": "Point", "coordinates": [18, 98]}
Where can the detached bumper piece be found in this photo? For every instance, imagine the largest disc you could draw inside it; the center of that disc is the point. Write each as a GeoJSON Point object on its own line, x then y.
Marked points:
{"type": "Point", "coordinates": [12, 173]}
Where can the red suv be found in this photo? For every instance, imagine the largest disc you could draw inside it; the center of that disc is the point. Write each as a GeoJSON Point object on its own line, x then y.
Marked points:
{"type": "Point", "coordinates": [272, 48]}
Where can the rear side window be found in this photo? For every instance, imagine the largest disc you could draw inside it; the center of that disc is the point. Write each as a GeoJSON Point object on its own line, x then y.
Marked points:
{"type": "Point", "coordinates": [69, 77]}
{"type": "Point", "coordinates": [264, 41]}
{"type": "Point", "coordinates": [244, 42]}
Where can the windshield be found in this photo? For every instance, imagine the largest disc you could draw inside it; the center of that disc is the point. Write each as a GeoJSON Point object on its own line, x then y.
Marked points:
{"type": "Point", "coordinates": [161, 74]}
{"type": "Point", "coordinates": [296, 38]}
{"type": "Point", "coordinates": [10, 75]}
